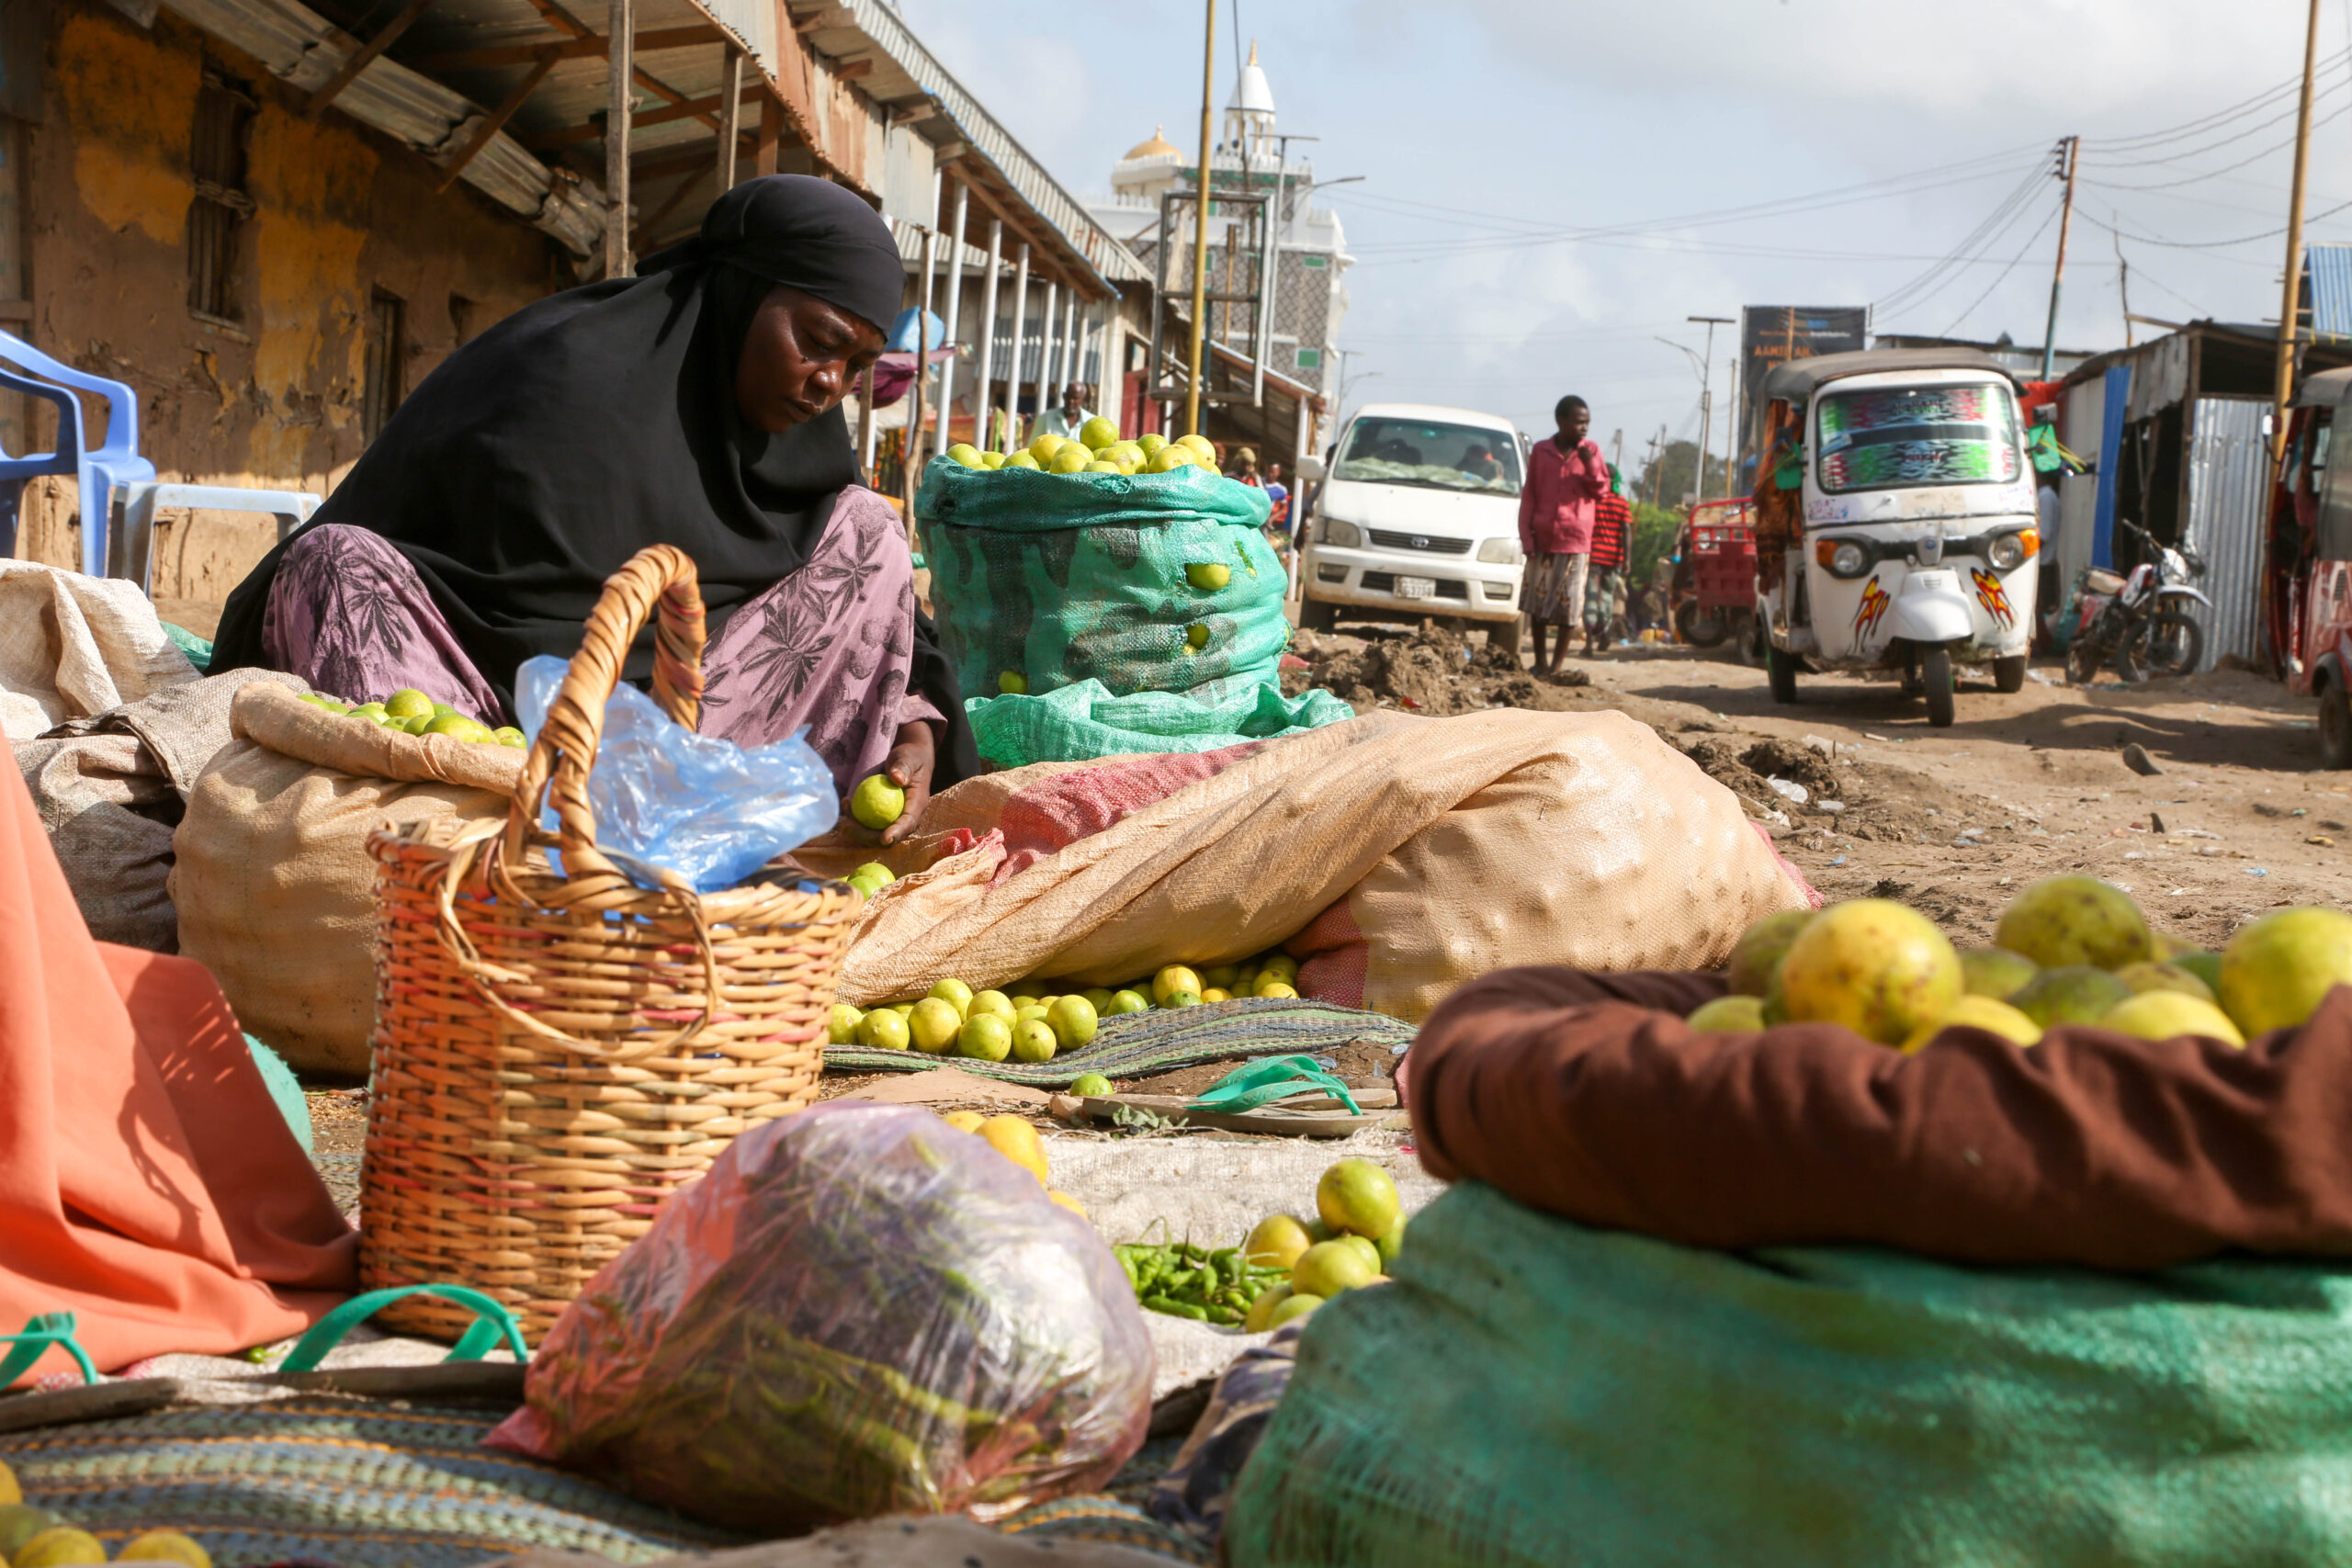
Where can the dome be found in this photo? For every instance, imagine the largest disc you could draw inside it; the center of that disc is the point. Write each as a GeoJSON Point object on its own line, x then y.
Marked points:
{"type": "Point", "coordinates": [1158, 147]}
{"type": "Point", "coordinates": [1251, 94]}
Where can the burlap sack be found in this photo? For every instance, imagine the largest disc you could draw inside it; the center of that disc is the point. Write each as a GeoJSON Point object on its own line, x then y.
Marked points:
{"type": "Point", "coordinates": [1458, 845]}
{"type": "Point", "coordinates": [72, 645]}
{"type": "Point", "coordinates": [272, 878]}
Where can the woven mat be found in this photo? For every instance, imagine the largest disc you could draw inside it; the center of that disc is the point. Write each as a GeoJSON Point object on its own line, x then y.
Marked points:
{"type": "Point", "coordinates": [1137, 1044]}
{"type": "Point", "coordinates": [357, 1483]}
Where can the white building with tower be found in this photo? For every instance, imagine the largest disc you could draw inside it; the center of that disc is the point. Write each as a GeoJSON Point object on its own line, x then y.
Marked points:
{"type": "Point", "coordinates": [1253, 155]}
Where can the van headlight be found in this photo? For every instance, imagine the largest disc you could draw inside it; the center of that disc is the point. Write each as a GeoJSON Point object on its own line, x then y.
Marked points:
{"type": "Point", "coordinates": [1499, 552]}
{"type": "Point", "coordinates": [1344, 535]}
{"type": "Point", "coordinates": [1841, 558]}
{"type": "Point", "coordinates": [2009, 550]}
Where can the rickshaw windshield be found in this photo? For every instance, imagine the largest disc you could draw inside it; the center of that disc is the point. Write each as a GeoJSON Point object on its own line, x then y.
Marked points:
{"type": "Point", "coordinates": [1890, 437]}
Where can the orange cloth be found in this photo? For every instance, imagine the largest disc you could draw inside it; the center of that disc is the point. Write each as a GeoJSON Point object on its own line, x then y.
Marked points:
{"type": "Point", "coordinates": [148, 1182]}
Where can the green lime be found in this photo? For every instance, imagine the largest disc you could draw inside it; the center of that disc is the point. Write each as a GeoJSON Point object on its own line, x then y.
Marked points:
{"type": "Point", "coordinates": [408, 702]}
{"type": "Point", "coordinates": [883, 1030]}
{"type": "Point", "coordinates": [1012, 683]}
{"type": "Point", "coordinates": [1032, 1040]}
{"type": "Point", "coordinates": [876, 802]}
{"type": "Point", "coordinates": [1073, 1020]}
{"type": "Point", "coordinates": [1091, 1086]}
{"type": "Point", "coordinates": [1129, 1001]}
{"type": "Point", "coordinates": [841, 1024]}
{"type": "Point", "coordinates": [1208, 576]}
{"type": "Point", "coordinates": [985, 1037]}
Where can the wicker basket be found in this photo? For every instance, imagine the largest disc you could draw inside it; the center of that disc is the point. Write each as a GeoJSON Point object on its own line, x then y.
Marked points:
{"type": "Point", "coordinates": [556, 1056]}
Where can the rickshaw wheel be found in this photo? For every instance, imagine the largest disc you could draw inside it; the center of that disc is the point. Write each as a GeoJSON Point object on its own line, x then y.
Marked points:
{"type": "Point", "coordinates": [2335, 726]}
{"type": "Point", "coordinates": [1701, 627]}
{"type": "Point", "coordinates": [2008, 674]}
{"type": "Point", "coordinates": [1780, 668]}
{"type": "Point", "coordinates": [1934, 678]}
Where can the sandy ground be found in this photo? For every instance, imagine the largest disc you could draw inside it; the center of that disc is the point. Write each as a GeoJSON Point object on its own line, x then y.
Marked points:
{"type": "Point", "coordinates": [2242, 819]}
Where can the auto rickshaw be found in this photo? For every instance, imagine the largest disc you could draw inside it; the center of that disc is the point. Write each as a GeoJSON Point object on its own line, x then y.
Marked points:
{"type": "Point", "coordinates": [2307, 566]}
{"type": "Point", "coordinates": [1896, 521]}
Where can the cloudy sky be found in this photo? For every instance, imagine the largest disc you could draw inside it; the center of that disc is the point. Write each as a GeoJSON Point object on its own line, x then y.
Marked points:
{"type": "Point", "coordinates": [1551, 186]}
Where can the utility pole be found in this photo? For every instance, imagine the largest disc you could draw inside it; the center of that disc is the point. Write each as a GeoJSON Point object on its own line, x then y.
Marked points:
{"type": "Point", "coordinates": [1706, 403]}
{"type": "Point", "coordinates": [1201, 226]}
{"type": "Point", "coordinates": [2292, 306]}
{"type": "Point", "coordinates": [2067, 153]}
{"type": "Point", "coordinates": [2123, 287]}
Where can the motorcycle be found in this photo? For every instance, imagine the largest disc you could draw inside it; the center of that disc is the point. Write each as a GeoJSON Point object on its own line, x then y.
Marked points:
{"type": "Point", "coordinates": [2140, 622]}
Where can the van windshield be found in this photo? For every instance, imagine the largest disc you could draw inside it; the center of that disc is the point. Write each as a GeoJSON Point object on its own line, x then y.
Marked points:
{"type": "Point", "coordinates": [1891, 438]}
{"type": "Point", "coordinates": [1438, 456]}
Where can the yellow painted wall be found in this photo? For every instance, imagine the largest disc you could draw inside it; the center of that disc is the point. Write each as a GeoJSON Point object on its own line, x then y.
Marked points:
{"type": "Point", "coordinates": [273, 402]}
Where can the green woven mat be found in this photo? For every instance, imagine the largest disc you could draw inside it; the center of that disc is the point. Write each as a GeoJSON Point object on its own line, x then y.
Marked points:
{"type": "Point", "coordinates": [357, 1483]}
{"type": "Point", "coordinates": [1136, 1044]}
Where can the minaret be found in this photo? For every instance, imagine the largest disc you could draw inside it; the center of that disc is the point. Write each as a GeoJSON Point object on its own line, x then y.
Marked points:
{"type": "Point", "coordinates": [1250, 114]}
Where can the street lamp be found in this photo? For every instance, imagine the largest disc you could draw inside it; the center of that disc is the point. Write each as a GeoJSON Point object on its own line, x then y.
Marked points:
{"type": "Point", "coordinates": [1706, 365]}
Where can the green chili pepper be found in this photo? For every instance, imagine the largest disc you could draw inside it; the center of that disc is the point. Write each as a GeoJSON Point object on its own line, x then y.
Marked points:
{"type": "Point", "coordinates": [1175, 1308]}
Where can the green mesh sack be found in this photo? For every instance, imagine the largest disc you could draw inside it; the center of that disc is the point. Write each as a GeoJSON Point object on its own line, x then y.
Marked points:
{"type": "Point", "coordinates": [1533, 1392]}
{"type": "Point", "coordinates": [1062, 579]}
{"type": "Point", "coordinates": [1085, 720]}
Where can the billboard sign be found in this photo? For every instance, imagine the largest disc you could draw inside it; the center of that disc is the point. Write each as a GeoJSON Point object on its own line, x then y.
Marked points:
{"type": "Point", "coordinates": [1773, 334]}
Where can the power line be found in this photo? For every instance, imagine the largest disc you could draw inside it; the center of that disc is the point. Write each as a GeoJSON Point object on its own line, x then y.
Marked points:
{"type": "Point", "coordinates": [1996, 282]}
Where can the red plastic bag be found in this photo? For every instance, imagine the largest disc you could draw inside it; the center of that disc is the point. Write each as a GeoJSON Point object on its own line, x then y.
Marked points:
{"type": "Point", "coordinates": [860, 1310]}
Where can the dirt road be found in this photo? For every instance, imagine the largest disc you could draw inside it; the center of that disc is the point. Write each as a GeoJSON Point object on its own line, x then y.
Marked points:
{"type": "Point", "coordinates": [1953, 821]}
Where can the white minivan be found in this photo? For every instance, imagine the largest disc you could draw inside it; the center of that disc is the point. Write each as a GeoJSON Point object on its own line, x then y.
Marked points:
{"type": "Point", "coordinates": [1418, 516]}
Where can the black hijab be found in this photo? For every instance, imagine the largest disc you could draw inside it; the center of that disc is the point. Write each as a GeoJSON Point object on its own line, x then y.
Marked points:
{"type": "Point", "coordinates": [544, 453]}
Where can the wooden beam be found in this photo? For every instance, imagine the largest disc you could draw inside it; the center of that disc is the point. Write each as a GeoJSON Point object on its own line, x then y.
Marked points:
{"type": "Point", "coordinates": [692, 182]}
{"type": "Point", "coordinates": [563, 21]}
{"type": "Point", "coordinates": [495, 121]}
{"type": "Point", "coordinates": [695, 108]}
{"type": "Point", "coordinates": [1038, 244]}
{"type": "Point", "coordinates": [620, 38]}
{"type": "Point", "coordinates": [763, 156]}
{"type": "Point", "coordinates": [364, 56]}
{"type": "Point", "coordinates": [850, 70]}
{"type": "Point", "coordinates": [811, 22]}
{"type": "Point", "coordinates": [730, 117]}
{"type": "Point", "coordinates": [587, 46]}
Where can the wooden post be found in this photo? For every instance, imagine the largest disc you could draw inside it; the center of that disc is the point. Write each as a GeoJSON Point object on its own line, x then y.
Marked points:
{"type": "Point", "coordinates": [1012, 371]}
{"type": "Point", "coordinates": [914, 464]}
{"type": "Point", "coordinates": [954, 318]}
{"type": "Point", "coordinates": [1046, 393]}
{"type": "Point", "coordinates": [620, 68]}
{"type": "Point", "coordinates": [730, 117]}
{"type": "Point", "coordinates": [2288, 311]}
{"type": "Point", "coordinates": [771, 134]}
{"type": "Point", "coordinates": [984, 392]}
{"type": "Point", "coordinates": [2069, 154]}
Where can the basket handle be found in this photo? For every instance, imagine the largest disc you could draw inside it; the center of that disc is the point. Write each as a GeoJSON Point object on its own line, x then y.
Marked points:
{"type": "Point", "coordinates": [491, 1323]}
{"type": "Point", "coordinates": [657, 577]}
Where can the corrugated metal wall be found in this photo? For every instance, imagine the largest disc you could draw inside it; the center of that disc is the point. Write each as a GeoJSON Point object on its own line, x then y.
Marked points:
{"type": "Point", "coordinates": [2229, 470]}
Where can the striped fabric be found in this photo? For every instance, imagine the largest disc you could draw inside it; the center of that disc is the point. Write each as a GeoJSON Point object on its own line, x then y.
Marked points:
{"type": "Point", "coordinates": [1613, 519]}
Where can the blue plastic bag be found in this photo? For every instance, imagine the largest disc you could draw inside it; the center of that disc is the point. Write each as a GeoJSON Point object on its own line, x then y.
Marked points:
{"type": "Point", "coordinates": [668, 799]}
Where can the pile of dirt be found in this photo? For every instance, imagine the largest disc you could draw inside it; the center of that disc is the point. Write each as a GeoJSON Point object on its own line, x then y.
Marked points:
{"type": "Point", "coordinates": [1432, 670]}
{"type": "Point", "coordinates": [1885, 804]}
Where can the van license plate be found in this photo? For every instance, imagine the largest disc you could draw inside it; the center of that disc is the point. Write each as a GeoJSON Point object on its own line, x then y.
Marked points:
{"type": "Point", "coordinates": [1417, 588]}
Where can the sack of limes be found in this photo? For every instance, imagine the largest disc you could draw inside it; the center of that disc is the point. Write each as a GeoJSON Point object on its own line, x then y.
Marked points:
{"type": "Point", "coordinates": [1140, 578]}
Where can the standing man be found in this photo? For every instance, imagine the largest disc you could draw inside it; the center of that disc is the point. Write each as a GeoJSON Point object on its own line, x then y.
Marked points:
{"type": "Point", "coordinates": [1277, 521]}
{"type": "Point", "coordinates": [1068, 418]}
{"type": "Point", "coordinates": [1605, 594]}
{"type": "Point", "coordinates": [1566, 477]}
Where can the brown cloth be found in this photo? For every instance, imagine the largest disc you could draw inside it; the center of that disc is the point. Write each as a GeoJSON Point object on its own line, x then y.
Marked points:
{"type": "Point", "coordinates": [1567, 1092]}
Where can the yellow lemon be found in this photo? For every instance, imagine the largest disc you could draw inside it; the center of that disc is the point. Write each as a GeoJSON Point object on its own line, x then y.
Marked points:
{"type": "Point", "coordinates": [995, 1002]}
{"type": "Point", "coordinates": [1103, 466]}
{"type": "Point", "coordinates": [963, 1120]}
{"type": "Point", "coordinates": [1298, 1304]}
{"type": "Point", "coordinates": [9, 1491]}
{"type": "Point", "coordinates": [1209, 576]}
{"type": "Point", "coordinates": [19, 1522]}
{"type": "Point", "coordinates": [991, 459]}
{"type": "Point", "coordinates": [2153, 977]}
{"type": "Point", "coordinates": [1128, 1000]}
{"type": "Point", "coordinates": [457, 726]}
{"type": "Point", "coordinates": [1278, 1242]}
{"type": "Point", "coordinates": [1074, 1020]}
{"type": "Point", "coordinates": [1874, 965]}
{"type": "Point", "coordinates": [1729, 1015]}
{"type": "Point", "coordinates": [1216, 994]}
{"type": "Point", "coordinates": [1978, 1012]}
{"type": "Point", "coordinates": [1994, 971]}
{"type": "Point", "coordinates": [1011, 683]}
{"type": "Point", "coordinates": [1150, 443]}
{"type": "Point", "coordinates": [884, 1028]}
{"type": "Point", "coordinates": [934, 1025]}
{"type": "Point", "coordinates": [1173, 978]}
{"type": "Point", "coordinates": [876, 802]}
{"type": "Point", "coordinates": [1071, 460]}
{"type": "Point", "coordinates": [1018, 1142]}
{"type": "Point", "coordinates": [2075, 919]}
{"type": "Point", "coordinates": [1032, 1040]}
{"type": "Point", "coordinates": [985, 1037]}
{"type": "Point", "coordinates": [1021, 460]}
{"type": "Point", "coordinates": [60, 1548]}
{"type": "Point", "coordinates": [1045, 447]}
{"type": "Point", "coordinates": [1331, 1266]}
{"type": "Point", "coordinates": [1098, 433]}
{"type": "Point", "coordinates": [2164, 1015]}
{"type": "Point", "coordinates": [1201, 446]}
{"type": "Point", "coordinates": [956, 993]}
{"type": "Point", "coordinates": [407, 703]}
{"type": "Point", "coordinates": [966, 454]}
{"type": "Point", "coordinates": [1274, 988]}
{"type": "Point", "coordinates": [2276, 970]}
{"type": "Point", "coordinates": [841, 1024]}
{"type": "Point", "coordinates": [166, 1546]}
{"type": "Point", "coordinates": [1357, 1196]}
{"type": "Point", "coordinates": [1262, 1309]}
{"type": "Point", "coordinates": [1196, 636]}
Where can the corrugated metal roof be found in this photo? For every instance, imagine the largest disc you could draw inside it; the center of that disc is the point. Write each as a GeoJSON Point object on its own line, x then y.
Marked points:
{"type": "Point", "coordinates": [2328, 268]}
{"type": "Point", "coordinates": [302, 49]}
{"type": "Point", "coordinates": [1089, 243]}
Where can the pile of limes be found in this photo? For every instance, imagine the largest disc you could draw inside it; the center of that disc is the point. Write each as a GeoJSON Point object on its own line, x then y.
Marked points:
{"type": "Point", "coordinates": [1288, 1266]}
{"type": "Point", "coordinates": [1099, 450]}
{"type": "Point", "coordinates": [411, 712]}
{"type": "Point", "coordinates": [1033, 1024]}
{"type": "Point", "coordinates": [2069, 950]}
{"type": "Point", "coordinates": [36, 1538]}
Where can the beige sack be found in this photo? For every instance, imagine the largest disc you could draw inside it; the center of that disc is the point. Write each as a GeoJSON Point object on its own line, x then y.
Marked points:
{"type": "Point", "coordinates": [72, 645]}
{"type": "Point", "coordinates": [272, 878]}
{"type": "Point", "coordinates": [1461, 845]}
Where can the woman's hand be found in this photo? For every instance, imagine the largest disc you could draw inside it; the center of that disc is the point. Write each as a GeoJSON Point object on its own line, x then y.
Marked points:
{"type": "Point", "coordinates": [908, 766]}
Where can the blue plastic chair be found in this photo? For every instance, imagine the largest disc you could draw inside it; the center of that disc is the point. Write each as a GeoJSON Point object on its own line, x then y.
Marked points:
{"type": "Point", "coordinates": [95, 472]}
{"type": "Point", "coordinates": [15, 471]}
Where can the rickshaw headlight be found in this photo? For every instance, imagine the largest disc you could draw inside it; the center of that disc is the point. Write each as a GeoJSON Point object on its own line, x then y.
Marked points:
{"type": "Point", "coordinates": [1843, 558]}
{"type": "Point", "coordinates": [2010, 549]}
{"type": "Point", "coordinates": [1499, 552]}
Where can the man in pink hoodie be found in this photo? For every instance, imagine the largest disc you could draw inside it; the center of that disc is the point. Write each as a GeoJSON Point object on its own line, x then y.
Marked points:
{"type": "Point", "coordinates": [1567, 477]}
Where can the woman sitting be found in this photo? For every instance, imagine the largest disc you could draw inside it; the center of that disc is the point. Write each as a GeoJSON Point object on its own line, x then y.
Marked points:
{"type": "Point", "coordinates": [695, 405]}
